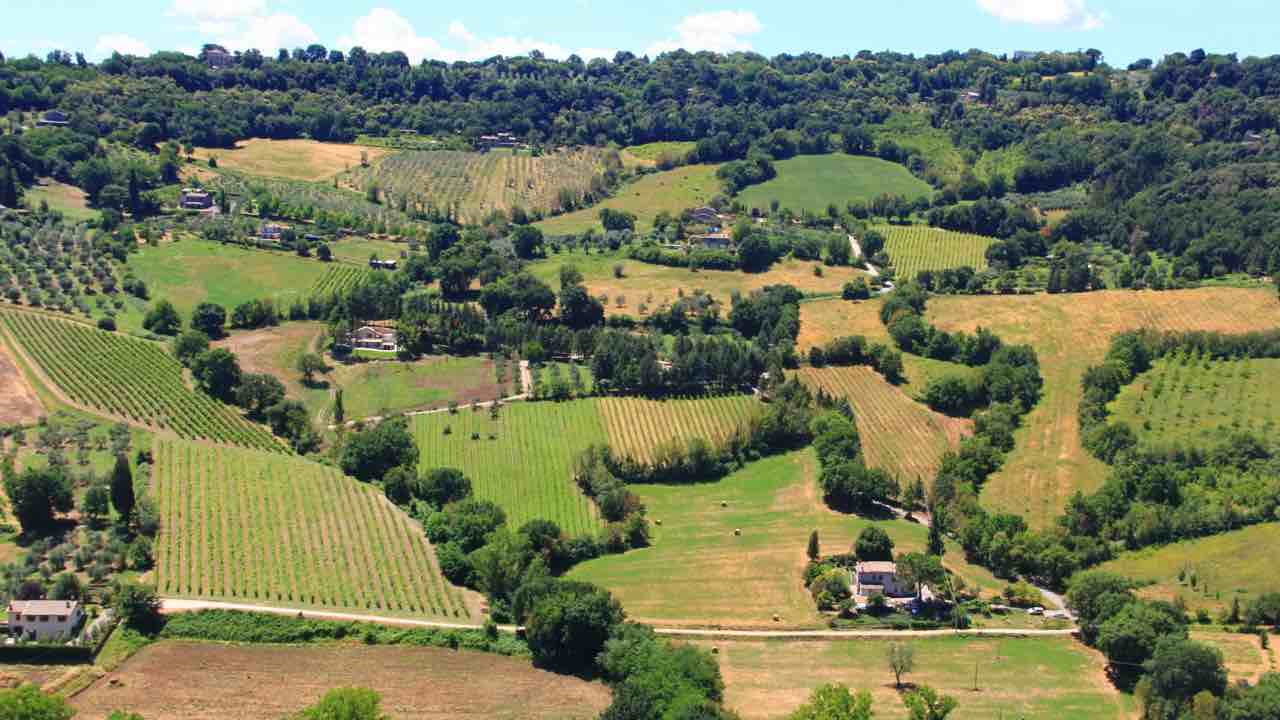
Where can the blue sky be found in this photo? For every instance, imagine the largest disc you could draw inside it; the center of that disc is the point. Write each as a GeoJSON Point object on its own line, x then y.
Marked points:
{"type": "Point", "coordinates": [1123, 29]}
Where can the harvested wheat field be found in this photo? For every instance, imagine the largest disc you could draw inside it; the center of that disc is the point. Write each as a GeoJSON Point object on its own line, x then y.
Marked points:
{"type": "Point", "coordinates": [1242, 653]}
{"type": "Point", "coordinates": [291, 159]}
{"type": "Point", "coordinates": [1070, 333]}
{"type": "Point", "coordinates": [18, 402]}
{"type": "Point", "coordinates": [198, 681]}
{"type": "Point", "coordinates": [898, 434]}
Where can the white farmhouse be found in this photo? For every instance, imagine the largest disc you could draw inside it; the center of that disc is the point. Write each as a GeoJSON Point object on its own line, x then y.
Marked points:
{"type": "Point", "coordinates": [44, 620]}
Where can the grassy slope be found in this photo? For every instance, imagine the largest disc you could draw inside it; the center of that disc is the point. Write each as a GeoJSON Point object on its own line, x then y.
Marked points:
{"type": "Point", "coordinates": [1069, 332]}
{"type": "Point", "coordinates": [658, 284]}
{"type": "Point", "coordinates": [647, 155]}
{"type": "Point", "coordinates": [1230, 564]}
{"type": "Point", "coordinates": [812, 182]}
{"type": "Point", "coordinates": [190, 272]}
{"type": "Point", "coordinates": [673, 191]}
{"type": "Point", "coordinates": [1202, 402]}
{"type": "Point", "coordinates": [1031, 678]}
{"type": "Point", "coordinates": [372, 388]}
{"type": "Point", "coordinates": [67, 199]}
{"type": "Point", "coordinates": [913, 132]}
{"type": "Point", "coordinates": [291, 159]}
{"type": "Point", "coordinates": [698, 572]}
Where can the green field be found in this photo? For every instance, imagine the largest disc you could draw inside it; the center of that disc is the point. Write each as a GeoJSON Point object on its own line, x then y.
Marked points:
{"type": "Point", "coordinates": [1029, 678]}
{"type": "Point", "coordinates": [698, 572]}
{"type": "Point", "coordinates": [812, 182]}
{"type": "Point", "coordinates": [1003, 162]}
{"type": "Point", "coordinates": [637, 426]}
{"type": "Point", "coordinates": [190, 272]}
{"type": "Point", "coordinates": [358, 250]}
{"type": "Point", "coordinates": [126, 378]}
{"type": "Point", "coordinates": [260, 528]}
{"type": "Point", "coordinates": [1226, 566]}
{"type": "Point", "coordinates": [338, 278]}
{"type": "Point", "coordinates": [1191, 399]}
{"type": "Point", "coordinates": [379, 388]}
{"type": "Point", "coordinates": [66, 199]}
{"type": "Point", "coordinates": [914, 132]}
{"type": "Point", "coordinates": [673, 191]}
{"type": "Point", "coordinates": [649, 153]}
{"type": "Point", "coordinates": [914, 248]}
{"type": "Point", "coordinates": [523, 460]}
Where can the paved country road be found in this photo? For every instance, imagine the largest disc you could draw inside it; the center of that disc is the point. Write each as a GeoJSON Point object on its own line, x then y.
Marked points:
{"type": "Point", "coordinates": [170, 606]}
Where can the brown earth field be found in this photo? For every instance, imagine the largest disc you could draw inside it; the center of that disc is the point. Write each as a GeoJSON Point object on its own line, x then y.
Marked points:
{"type": "Point", "coordinates": [292, 159]}
{"type": "Point", "coordinates": [18, 402]}
{"type": "Point", "coordinates": [207, 681]}
{"type": "Point", "coordinates": [1070, 332]}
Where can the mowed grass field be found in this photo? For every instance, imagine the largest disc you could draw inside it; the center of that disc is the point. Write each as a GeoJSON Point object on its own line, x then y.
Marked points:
{"type": "Point", "coordinates": [699, 573]}
{"type": "Point", "coordinates": [1229, 565]}
{"type": "Point", "coordinates": [898, 434]}
{"type": "Point", "coordinates": [1049, 678]}
{"type": "Point", "coordinates": [914, 248]}
{"type": "Point", "coordinates": [1190, 399]}
{"type": "Point", "coordinates": [1070, 332]}
{"type": "Point", "coordinates": [66, 199]}
{"type": "Point", "coordinates": [673, 191]}
{"type": "Point", "coordinates": [647, 155]}
{"type": "Point", "coordinates": [266, 529]}
{"type": "Point", "coordinates": [290, 159]}
{"type": "Point", "coordinates": [379, 388]}
{"type": "Point", "coordinates": [208, 681]}
{"type": "Point", "coordinates": [655, 285]}
{"type": "Point", "coordinates": [128, 379]}
{"type": "Point", "coordinates": [190, 272]}
{"type": "Point", "coordinates": [812, 182]}
{"type": "Point", "coordinates": [637, 426]}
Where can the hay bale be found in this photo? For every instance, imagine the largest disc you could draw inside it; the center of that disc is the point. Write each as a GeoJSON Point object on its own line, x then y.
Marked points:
{"type": "Point", "coordinates": [737, 532]}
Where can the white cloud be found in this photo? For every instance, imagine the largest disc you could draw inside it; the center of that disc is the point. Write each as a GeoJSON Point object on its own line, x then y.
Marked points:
{"type": "Point", "coordinates": [219, 10]}
{"type": "Point", "coordinates": [722, 31]}
{"type": "Point", "coordinates": [123, 44]}
{"type": "Point", "coordinates": [385, 30]}
{"type": "Point", "coordinates": [1049, 13]}
{"type": "Point", "coordinates": [244, 24]}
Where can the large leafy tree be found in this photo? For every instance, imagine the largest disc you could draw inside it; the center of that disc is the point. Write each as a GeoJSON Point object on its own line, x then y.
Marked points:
{"type": "Point", "coordinates": [162, 319]}
{"type": "Point", "coordinates": [835, 702]}
{"type": "Point", "coordinates": [36, 495]}
{"type": "Point", "coordinates": [217, 372]}
{"type": "Point", "coordinates": [369, 454]}
{"type": "Point", "coordinates": [209, 319]}
{"type": "Point", "coordinates": [568, 625]}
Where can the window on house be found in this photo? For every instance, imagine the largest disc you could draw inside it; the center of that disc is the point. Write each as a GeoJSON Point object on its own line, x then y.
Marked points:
{"type": "Point", "coordinates": [62, 618]}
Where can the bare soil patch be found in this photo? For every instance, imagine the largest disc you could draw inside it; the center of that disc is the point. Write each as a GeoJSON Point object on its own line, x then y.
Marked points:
{"type": "Point", "coordinates": [18, 402]}
{"type": "Point", "coordinates": [198, 681]}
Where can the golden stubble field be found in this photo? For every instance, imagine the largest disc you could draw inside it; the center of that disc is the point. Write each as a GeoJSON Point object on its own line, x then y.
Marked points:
{"type": "Point", "coordinates": [291, 159]}
{"type": "Point", "coordinates": [1070, 333]}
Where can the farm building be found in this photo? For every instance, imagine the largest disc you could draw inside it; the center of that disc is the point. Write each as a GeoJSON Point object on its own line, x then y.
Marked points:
{"type": "Point", "coordinates": [43, 620]}
{"type": "Point", "coordinates": [881, 578]}
{"type": "Point", "coordinates": [217, 57]}
{"type": "Point", "coordinates": [497, 140]}
{"type": "Point", "coordinates": [717, 240]}
{"type": "Point", "coordinates": [373, 337]}
{"type": "Point", "coordinates": [377, 264]}
{"type": "Point", "coordinates": [195, 199]}
{"type": "Point", "coordinates": [53, 118]}
{"type": "Point", "coordinates": [270, 231]}
{"type": "Point", "coordinates": [704, 216]}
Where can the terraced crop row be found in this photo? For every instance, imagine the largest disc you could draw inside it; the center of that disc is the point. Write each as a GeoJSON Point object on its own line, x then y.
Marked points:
{"type": "Point", "coordinates": [337, 279]}
{"type": "Point", "coordinates": [637, 426]}
{"type": "Point", "coordinates": [257, 527]}
{"type": "Point", "coordinates": [898, 434]}
{"type": "Point", "coordinates": [914, 248]}
{"type": "Point", "coordinates": [128, 377]}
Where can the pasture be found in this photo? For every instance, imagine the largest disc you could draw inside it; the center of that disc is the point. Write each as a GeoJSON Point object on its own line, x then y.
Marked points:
{"type": "Point", "coordinates": [1225, 566]}
{"type": "Point", "coordinates": [269, 529]}
{"type": "Point", "coordinates": [1070, 332]}
{"type": "Point", "coordinates": [656, 285]}
{"type": "Point", "coordinates": [207, 681]}
{"type": "Point", "coordinates": [698, 573]}
{"type": "Point", "coordinates": [914, 248]}
{"type": "Point", "coordinates": [898, 434]}
{"type": "Point", "coordinates": [649, 154]}
{"type": "Point", "coordinates": [125, 378]}
{"type": "Point", "coordinates": [381, 388]}
{"type": "Point", "coordinates": [637, 426]}
{"type": "Point", "coordinates": [275, 351]}
{"type": "Point", "coordinates": [673, 191]}
{"type": "Point", "coordinates": [299, 159]}
{"type": "Point", "coordinates": [1242, 653]}
{"type": "Point", "coordinates": [69, 200]}
{"type": "Point", "coordinates": [190, 272]}
{"type": "Point", "coordinates": [469, 185]}
{"type": "Point", "coordinates": [809, 183]}
{"type": "Point", "coordinates": [772, 678]}
{"type": "Point", "coordinates": [1193, 400]}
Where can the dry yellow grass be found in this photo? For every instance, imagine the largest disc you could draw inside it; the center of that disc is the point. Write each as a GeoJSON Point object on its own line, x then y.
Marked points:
{"type": "Point", "coordinates": [1241, 653]}
{"type": "Point", "coordinates": [291, 159]}
{"type": "Point", "coordinates": [898, 434]}
{"type": "Point", "coordinates": [1069, 332]}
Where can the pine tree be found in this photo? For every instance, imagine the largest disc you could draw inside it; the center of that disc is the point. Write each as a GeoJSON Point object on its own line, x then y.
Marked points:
{"type": "Point", "coordinates": [814, 551]}
{"type": "Point", "coordinates": [122, 488]}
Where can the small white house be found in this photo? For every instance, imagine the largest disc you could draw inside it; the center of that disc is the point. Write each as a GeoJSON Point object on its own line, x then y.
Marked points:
{"type": "Point", "coordinates": [44, 620]}
{"type": "Point", "coordinates": [880, 578]}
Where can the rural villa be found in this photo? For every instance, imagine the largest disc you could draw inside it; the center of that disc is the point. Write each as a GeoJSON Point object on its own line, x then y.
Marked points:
{"type": "Point", "coordinates": [372, 337]}
{"type": "Point", "coordinates": [44, 620]}
{"type": "Point", "coordinates": [881, 578]}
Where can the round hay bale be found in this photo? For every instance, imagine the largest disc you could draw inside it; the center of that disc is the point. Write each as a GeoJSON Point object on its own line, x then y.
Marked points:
{"type": "Point", "coordinates": [737, 532]}
{"type": "Point", "coordinates": [724, 503]}
{"type": "Point", "coordinates": [657, 522]}
{"type": "Point", "coordinates": [715, 650]}
{"type": "Point", "coordinates": [777, 617]}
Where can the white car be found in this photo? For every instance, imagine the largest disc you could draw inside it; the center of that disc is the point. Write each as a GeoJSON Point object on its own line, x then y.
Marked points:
{"type": "Point", "coordinates": [1037, 610]}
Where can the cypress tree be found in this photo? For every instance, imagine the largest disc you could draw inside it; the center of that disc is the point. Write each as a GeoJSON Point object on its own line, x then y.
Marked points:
{"type": "Point", "coordinates": [813, 550]}
{"type": "Point", "coordinates": [937, 543]}
{"type": "Point", "coordinates": [122, 487]}
{"type": "Point", "coordinates": [339, 412]}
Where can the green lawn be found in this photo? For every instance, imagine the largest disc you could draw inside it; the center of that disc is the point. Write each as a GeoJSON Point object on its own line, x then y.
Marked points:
{"type": "Point", "coordinates": [190, 272]}
{"type": "Point", "coordinates": [358, 249]}
{"type": "Point", "coordinates": [378, 388]}
{"type": "Point", "coordinates": [1225, 566]}
{"type": "Point", "coordinates": [66, 199]}
{"type": "Point", "coordinates": [812, 182]}
{"type": "Point", "coordinates": [698, 572]}
{"type": "Point", "coordinates": [650, 153]}
{"type": "Point", "coordinates": [1029, 678]}
{"type": "Point", "coordinates": [1188, 399]}
{"type": "Point", "coordinates": [672, 191]}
